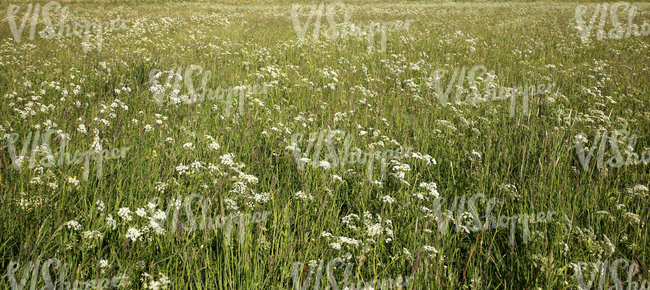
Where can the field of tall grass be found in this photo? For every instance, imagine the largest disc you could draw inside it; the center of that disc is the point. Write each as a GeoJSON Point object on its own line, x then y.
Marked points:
{"type": "Point", "coordinates": [234, 152]}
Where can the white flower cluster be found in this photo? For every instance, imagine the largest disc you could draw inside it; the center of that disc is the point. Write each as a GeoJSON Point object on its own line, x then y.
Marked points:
{"type": "Point", "coordinates": [303, 196]}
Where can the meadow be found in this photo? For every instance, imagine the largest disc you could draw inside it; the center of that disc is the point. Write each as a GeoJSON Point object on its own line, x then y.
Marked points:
{"type": "Point", "coordinates": [519, 152]}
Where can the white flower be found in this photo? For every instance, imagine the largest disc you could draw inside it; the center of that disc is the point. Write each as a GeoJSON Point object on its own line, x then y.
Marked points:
{"type": "Point", "coordinates": [188, 145]}
{"type": "Point", "coordinates": [73, 180]}
{"type": "Point", "coordinates": [349, 218]}
{"type": "Point", "coordinates": [111, 222]}
{"type": "Point", "coordinates": [214, 146]}
{"type": "Point", "coordinates": [227, 159]}
{"type": "Point", "coordinates": [429, 249]}
{"type": "Point", "coordinates": [155, 225]}
{"type": "Point", "coordinates": [420, 196]}
{"type": "Point", "coordinates": [160, 186]}
{"type": "Point", "coordinates": [325, 234]}
{"type": "Point", "coordinates": [231, 204]}
{"type": "Point", "coordinates": [82, 129]}
{"type": "Point", "coordinates": [337, 177]}
{"type": "Point", "coordinates": [335, 246]}
{"type": "Point", "coordinates": [141, 212]}
{"type": "Point", "coordinates": [377, 182]}
{"type": "Point", "coordinates": [181, 169]}
{"type": "Point", "coordinates": [303, 196]}
{"type": "Point", "coordinates": [147, 128]}
{"type": "Point", "coordinates": [133, 234]}
{"type": "Point", "coordinates": [324, 164]}
{"type": "Point", "coordinates": [169, 139]}
{"type": "Point", "coordinates": [125, 213]}
{"type": "Point", "coordinates": [432, 187]}
{"type": "Point", "coordinates": [164, 280]}
{"type": "Point", "coordinates": [388, 199]}
{"type": "Point", "coordinates": [638, 189]}
{"type": "Point", "coordinates": [100, 205]}
{"type": "Point", "coordinates": [262, 197]}
{"type": "Point", "coordinates": [103, 263]}
{"type": "Point", "coordinates": [92, 234]}
{"type": "Point", "coordinates": [374, 230]}
{"type": "Point", "coordinates": [73, 225]}
{"type": "Point", "coordinates": [350, 241]}
{"type": "Point", "coordinates": [159, 215]}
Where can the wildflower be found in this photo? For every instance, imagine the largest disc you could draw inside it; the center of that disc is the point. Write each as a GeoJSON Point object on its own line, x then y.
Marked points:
{"type": "Point", "coordinates": [387, 199]}
{"type": "Point", "coordinates": [100, 205]}
{"type": "Point", "coordinates": [111, 222]}
{"type": "Point", "coordinates": [374, 230]}
{"type": "Point", "coordinates": [429, 249]}
{"type": "Point", "coordinates": [303, 196]}
{"type": "Point", "coordinates": [133, 234]}
{"type": "Point", "coordinates": [141, 212]}
{"type": "Point", "coordinates": [73, 225]}
{"type": "Point", "coordinates": [73, 180]}
{"type": "Point", "coordinates": [432, 187]}
{"type": "Point", "coordinates": [125, 213]}
{"type": "Point", "coordinates": [335, 246]}
{"type": "Point", "coordinates": [160, 186]}
{"type": "Point", "coordinates": [350, 241]}
{"type": "Point", "coordinates": [82, 129]}
{"type": "Point", "coordinates": [214, 146]}
{"type": "Point", "coordinates": [637, 190]}
{"type": "Point", "coordinates": [92, 234]}
{"type": "Point", "coordinates": [633, 218]}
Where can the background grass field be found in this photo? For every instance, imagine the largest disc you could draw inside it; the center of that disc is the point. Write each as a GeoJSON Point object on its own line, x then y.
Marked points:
{"type": "Point", "coordinates": [528, 162]}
